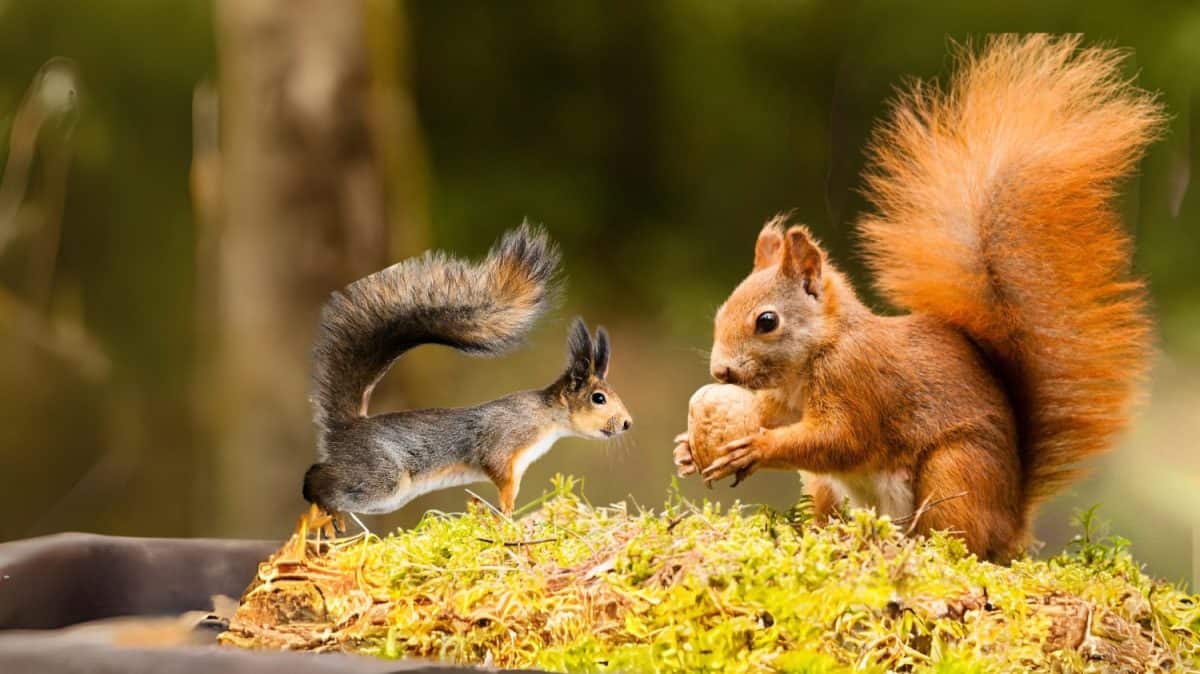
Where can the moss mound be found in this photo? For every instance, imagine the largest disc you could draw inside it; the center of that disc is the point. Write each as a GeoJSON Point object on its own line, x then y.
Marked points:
{"type": "Point", "coordinates": [577, 588]}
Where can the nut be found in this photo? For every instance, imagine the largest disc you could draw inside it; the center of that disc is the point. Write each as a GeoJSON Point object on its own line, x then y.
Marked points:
{"type": "Point", "coordinates": [719, 414]}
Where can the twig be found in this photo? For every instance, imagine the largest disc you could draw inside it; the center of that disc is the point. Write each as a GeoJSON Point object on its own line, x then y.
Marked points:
{"type": "Point", "coordinates": [517, 544]}
{"type": "Point", "coordinates": [360, 524]}
{"type": "Point", "coordinates": [490, 506]}
{"type": "Point", "coordinates": [926, 506]}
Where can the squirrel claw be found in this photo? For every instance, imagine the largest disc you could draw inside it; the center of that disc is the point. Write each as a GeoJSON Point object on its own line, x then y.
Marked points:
{"type": "Point", "coordinates": [740, 476]}
{"type": "Point", "coordinates": [685, 464]}
{"type": "Point", "coordinates": [740, 457]}
{"type": "Point", "coordinates": [337, 522]}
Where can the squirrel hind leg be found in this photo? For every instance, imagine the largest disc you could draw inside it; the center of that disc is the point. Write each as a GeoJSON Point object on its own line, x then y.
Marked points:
{"type": "Point", "coordinates": [317, 484]}
{"type": "Point", "coordinates": [971, 489]}
{"type": "Point", "coordinates": [321, 489]}
{"type": "Point", "coordinates": [350, 488]}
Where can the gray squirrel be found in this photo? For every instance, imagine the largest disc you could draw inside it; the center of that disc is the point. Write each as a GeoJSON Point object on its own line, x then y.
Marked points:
{"type": "Point", "coordinates": [377, 464]}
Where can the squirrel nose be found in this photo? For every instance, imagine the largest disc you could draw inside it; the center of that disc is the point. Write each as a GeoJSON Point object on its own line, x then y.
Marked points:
{"type": "Point", "coordinates": [625, 426]}
{"type": "Point", "coordinates": [723, 374]}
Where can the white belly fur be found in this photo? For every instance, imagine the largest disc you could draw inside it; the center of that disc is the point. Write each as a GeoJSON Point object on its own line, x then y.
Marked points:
{"type": "Point", "coordinates": [408, 489]}
{"type": "Point", "coordinates": [535, 451]}
{"type": "Point", "coordinates": [889, 493]}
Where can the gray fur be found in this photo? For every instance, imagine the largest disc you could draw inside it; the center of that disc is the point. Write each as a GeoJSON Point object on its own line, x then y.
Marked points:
{"type": "Point", "coordinates": [600, 359]}
{"type": "Point", "coordinates": [580, 354]}
{"type": "Point", "coordinates": [369, 462]}
{"type": "Point", "coordinates": [432, 299]}
{"type": "Point", "coordinates": [376, 464]}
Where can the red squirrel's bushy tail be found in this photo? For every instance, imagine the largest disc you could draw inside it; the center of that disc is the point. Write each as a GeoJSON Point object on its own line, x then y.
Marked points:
{"type": "Point", "coordinates": [994, 211]}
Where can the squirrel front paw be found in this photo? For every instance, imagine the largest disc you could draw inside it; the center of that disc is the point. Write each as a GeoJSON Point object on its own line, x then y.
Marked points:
{"type": "Point", "coordinates": [685, 463]}
{"type": "Point", "coordinates": [740, 458]}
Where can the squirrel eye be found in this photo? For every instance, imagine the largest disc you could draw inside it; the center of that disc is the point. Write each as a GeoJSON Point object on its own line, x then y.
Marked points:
{"type": "Point", "coordinates": [599, 398]}
{"type": "Point", "coordinates": [766, 322]}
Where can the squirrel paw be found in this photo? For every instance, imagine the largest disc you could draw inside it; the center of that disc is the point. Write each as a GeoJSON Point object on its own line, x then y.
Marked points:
{"type": "Point", "coordinates": [685, 464]}
{"type": "Point", "coordinates": [740, 458]}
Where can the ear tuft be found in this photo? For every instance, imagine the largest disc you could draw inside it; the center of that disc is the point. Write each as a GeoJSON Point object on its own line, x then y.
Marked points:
{"type": "Point", "coordinates": [768, 248]}
{"type": "Point", "coordinates": [600, 361]}
{"type": "Point", "coordinates": [802, 259]}
{"type": "Point", "coordinates": [580, 354]}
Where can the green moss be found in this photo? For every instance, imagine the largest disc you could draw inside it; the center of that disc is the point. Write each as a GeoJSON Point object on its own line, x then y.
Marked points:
{"type": "Point", "coordinates": [700, 588]}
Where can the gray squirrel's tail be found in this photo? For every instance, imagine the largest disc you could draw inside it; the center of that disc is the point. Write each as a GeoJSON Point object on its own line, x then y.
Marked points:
{"type": "Point", "coordinates": [482, 308]}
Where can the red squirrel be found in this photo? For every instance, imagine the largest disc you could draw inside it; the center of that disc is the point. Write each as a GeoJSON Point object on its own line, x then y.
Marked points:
{"type": "Point", "coordinates": [994, 226]}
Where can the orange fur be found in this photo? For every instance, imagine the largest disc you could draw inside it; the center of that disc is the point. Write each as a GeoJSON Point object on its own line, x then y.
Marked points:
{"type": "Point", "coordinates": [995, 226]}
{"type": "Point", "coordinates": [995, 213]}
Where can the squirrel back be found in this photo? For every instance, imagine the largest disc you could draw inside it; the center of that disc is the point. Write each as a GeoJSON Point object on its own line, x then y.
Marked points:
{"type": "Point", "coordinates": [484, 308]}
{"type": "Point", "coordinates": [994, 212]}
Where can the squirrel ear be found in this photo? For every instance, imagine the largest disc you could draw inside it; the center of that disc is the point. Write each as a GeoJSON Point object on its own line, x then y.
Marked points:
{"type": "Point", "coordinates": [769, 244]}
{"type": "Point", "coordinates": [802, 260]}
{"type": "Point", "coordinates": [600, 362]}
{"type": "Point", "coordinates": [580, 353]}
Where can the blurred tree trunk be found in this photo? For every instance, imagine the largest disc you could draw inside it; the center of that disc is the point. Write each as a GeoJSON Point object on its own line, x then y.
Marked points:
{"type": "Point", "coordinates": [301, 209]}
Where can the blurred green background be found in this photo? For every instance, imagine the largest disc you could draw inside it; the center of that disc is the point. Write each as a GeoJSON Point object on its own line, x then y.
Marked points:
{"type": "Point", "coordinates": [167, 235]}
